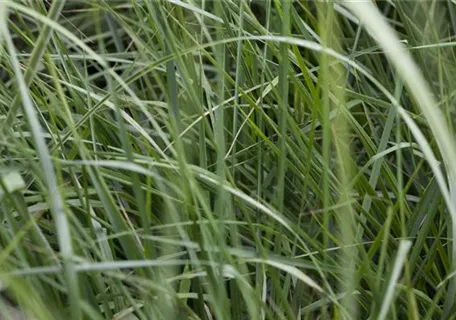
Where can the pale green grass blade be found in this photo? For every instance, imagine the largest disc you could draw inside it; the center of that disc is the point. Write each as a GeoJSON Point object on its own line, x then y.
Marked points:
{"type": "Point", "coordinates": [57, 207]}
{"type": "Point", "coordinates": [404, 247]}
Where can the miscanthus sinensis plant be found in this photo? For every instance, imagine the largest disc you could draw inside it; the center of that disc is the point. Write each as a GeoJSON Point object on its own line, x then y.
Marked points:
{"type": "Point", "coordinates": [197, 159]}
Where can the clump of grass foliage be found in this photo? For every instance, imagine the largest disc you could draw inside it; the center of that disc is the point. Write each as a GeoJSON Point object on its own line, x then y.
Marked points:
{"type": "Point", "coordinates": [196, 159]}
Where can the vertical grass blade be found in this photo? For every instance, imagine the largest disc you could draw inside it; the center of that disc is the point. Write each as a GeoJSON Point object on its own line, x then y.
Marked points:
{"type": "Point", "coordinates": [53, 192]}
